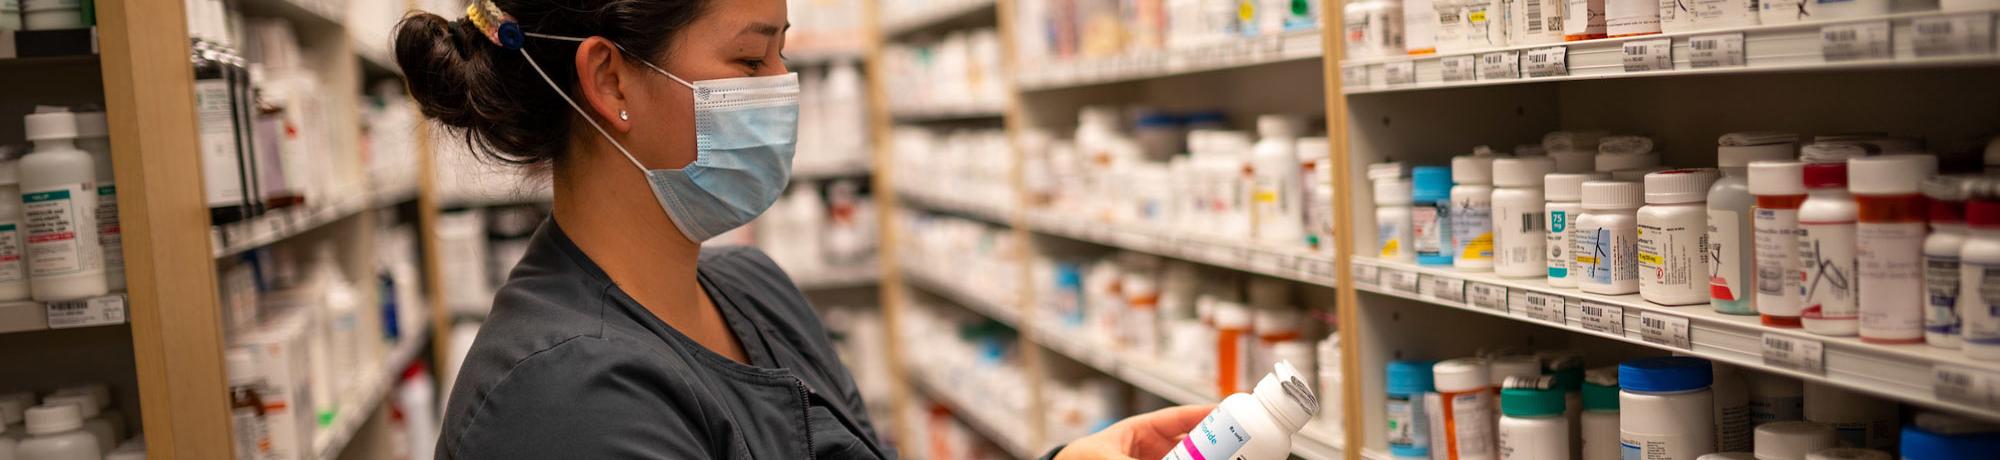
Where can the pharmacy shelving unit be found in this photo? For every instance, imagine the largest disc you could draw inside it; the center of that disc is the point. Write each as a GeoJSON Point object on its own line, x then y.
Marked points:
{"type": "Point", "coordinates": [1915, 73]}
{"type": "Point", "coordinates": [160, 343]}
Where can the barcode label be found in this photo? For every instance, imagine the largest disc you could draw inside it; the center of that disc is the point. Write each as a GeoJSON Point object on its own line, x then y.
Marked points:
{"type": "Point", "coordinates": [1367, 274]}
{"type": "Point", "coordinates": [1547, 62]}
{"type": "Point", "coordinates": [1601, 318]}
{"type": "Point", "coordinates": [96, 311]}
{"type": "Point", "coordinates": [1665, 330]}
{"type": "Point", "coordinates": [1963, 386]}
{"type": "Point", "coordinates": [1538, 306]}
{"type": "Point", "coordinates": [1649, 55]}
{"type": "Point", "coordinates": [1487, 296]}
{"type": "Point", "coordinates": [1854, 42]}
{"type": "Point", "coordinates": [1504, 65]}
{"type": "Point", "coordinates": [1803, 355]}
{"type": "Point", "coordinates": [1354, 76]}
{"type": "Point", "coordinates": [1534, 8]}
{"type": "Point", "coordinates": [1719, 50]}
{"type": "Point", "coordinates": [1957, 35]}
{"type": "Point", "coordinates": [1458, 68]}
{"type": "Point", "coordinates": [1400, 73]}
{"type": "Point", "coordinates": [1445, 288]}
{"type": "Point", "coordinates": [1403, 281]}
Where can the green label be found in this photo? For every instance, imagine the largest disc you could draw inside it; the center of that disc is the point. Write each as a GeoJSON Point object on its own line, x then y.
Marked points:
{"type": "Point", "coordinates": [107, 190]}
{"type": "Point", "coordinates": [52, 195]}
{"type": "Point", "coordinates": [1558, 221]}
{"type": "Point", "coordinates": [7, 228]}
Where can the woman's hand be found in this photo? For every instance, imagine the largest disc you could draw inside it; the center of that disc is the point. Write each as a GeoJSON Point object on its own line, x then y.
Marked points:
{"type": "Point", "coordinates": [1143, 437]}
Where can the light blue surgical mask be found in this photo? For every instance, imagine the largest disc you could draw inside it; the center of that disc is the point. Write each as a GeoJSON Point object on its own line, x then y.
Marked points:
{"type": "Point", "coordinates": [746, 131]}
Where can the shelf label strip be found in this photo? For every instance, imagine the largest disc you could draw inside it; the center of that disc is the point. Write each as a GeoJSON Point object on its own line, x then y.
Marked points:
{"type": "Point", "coordinates": [1445, 288]}
{"type": "Point", "coordinates": [1501, 65]}
{"type": "Point", "coordinates": [1854, 42]}
{"type": "Point", "coordinates": [1718, 50]}
{"type": "Point", "coordinates": [1405, 282]}
{"type": "Point", "coordinates": [1803, 355]}
{"type": "Point", "coordinates": [95, 311]}
{"type": "Point", "coordinates": [1458, 68]}
{"type": "Point", "coordinates": [1954, 35]}
{"type": "Point", "coordinates": [1400, 73]}
{"type": "Point", "coordinates": [1649, 55]}
{"type": "Point", "coordinates": [1547, 62]}
{"type": "Point", "coordinates": [1487, 296]}
{"type": "Point", "coordinates": [1665, 330]}
{"type": "Point", "coordinates": [1953, 384]}
{"type": "Point", "coordinates": [1601, 318]}
{"type": "Point", "coordinates": [1538, 306]}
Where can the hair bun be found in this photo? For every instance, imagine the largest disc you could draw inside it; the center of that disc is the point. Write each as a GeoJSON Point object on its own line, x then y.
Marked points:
{"type": "Point", "coordinates": [439, 66]}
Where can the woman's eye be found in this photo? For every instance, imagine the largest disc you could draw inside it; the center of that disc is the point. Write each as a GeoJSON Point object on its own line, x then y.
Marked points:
{"type": "Point", "coordinates": [754, 64]}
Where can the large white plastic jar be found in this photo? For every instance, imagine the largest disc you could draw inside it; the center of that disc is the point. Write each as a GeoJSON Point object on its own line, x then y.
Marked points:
{"type": "Point", "coordinates": [1827, 252]}
{"type": "Point", "coordinates": [56, 433]}
{"type": "Point", "coordinates": [59, 209]}
{"type": "Point", "coordinates": [1254, 426]}
{"type": "Point", "coordinates": [1730, 204]}
{"type": "Point", "coordinates": [1608, 237]}
{"type": "Point", "coordinates": [1665, 408]}
{"type": "Point", "coordinates": [1520, 233]}
{"type": "Point", "coordinates": [1673, 237]}
{"type": "Point", "coordinates": [1472, 212]}
{"type": "Point", "coordinates": [1565, 210]}
{"type": "Point", "coordinates": [1889, 244]}
{"type": "Point", "coordinates": [1532, 426]}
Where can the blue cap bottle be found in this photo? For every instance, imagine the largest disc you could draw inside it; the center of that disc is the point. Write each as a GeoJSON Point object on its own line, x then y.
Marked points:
{"type": "Point", "coordinates": [1409, 427]}
{"type": "Point", "coordinates": [1430, 220]}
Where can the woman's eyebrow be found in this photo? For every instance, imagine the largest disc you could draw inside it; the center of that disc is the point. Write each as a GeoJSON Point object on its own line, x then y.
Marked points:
{"type": "Point", "coordinates": [764, 28]}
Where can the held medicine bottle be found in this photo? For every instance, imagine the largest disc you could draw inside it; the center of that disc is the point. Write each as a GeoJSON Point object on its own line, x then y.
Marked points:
{"type": "Point", "coordinates": [1232, 346]}
{"type": "Point", "coordinates": [1666, 408]}
{"type": "Point", "coordinates": [1780, 189]}
{"type": "Point", "coordinates": [1253, 426]}
{"type": "Point", "coordinates": [56, 433]}
{"type": "Point", "coordinates": [59, 207]}
{"type": "Point", "coordinates": [1472, 212]}
{"type": "Point", "coordinates": [1532, 426]}
{"type": "Point", "coordinates": [1600, 414]}
{"type": "Point", "coordinates": [1946, 211]}
{"type": "Point", "coordinates": [1730, 204]}
{"type": "Point", "coordinates": [1673, 237]}
{"type": "Point", "coordinates": [1565, 209]}
{"type": "Point", "coordinates": [1608, 238]}
{"type": "Point", "coordinates": [1465, 399]}
{"type": "Point", "coordinates": [1430, 215]}
{"type": "Point", "coordinates": [13, 256]}
{"type": "Point", "coordinates": [1979, 266]}
{"type": "Point", "coordinates": [1520, 235]}
{"type": "Point", "coordinates": [1408, 427]}
{"type": "Point", "coordinates": [1826, 252]}
{"type": "Point", "coordinates": [1392, 212]}
{"type": "Point", "coordinates": [1889, 244]}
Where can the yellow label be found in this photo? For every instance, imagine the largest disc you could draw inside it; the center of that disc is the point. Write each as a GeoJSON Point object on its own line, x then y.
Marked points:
{"type": "Point", "coordinates": [1478, 16]}
{"type": "Point", "coordinates": [1246, 11]}
{"type": "Point", "coordinates": [1480, 247]}
{"type": "Point", "coordinates": [1265, 196]}
{"type": "Point", "coordinates": [1391, 247]}
{"type": "Point", "coordinates": [1651, 259]}
{"type": "Point", "coordinates": [1586, 260]}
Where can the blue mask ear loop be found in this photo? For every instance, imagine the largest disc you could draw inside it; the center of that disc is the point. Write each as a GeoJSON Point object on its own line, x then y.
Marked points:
{"type": "Point", "coordinates": [579, 108]}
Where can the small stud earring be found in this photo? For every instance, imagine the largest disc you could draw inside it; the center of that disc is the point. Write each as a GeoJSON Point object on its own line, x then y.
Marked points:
{"type": "Point", "coordinates": [622, 116]}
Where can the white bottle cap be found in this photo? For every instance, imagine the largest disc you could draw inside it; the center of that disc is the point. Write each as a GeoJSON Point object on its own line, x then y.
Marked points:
{"type": "Point", "coordinates": [1513, 366]}
{"type": "Point", "coordinates": [1472, 169]}
{"type": "Point", "coordinates": [1569, 186]}
{"type": "Point", "coordinates": [1890, 174]}
{"type": "Point", "coordinates": [1288, 396]}
{"type": "Point", "coordinates": [1714, 456]}
{"type": "Point", "coordinates": [1276, 320]}
{"type": "Point", "coordinates": [1737, 150]}
{"type": "Point", "coordinates": [1522, 172]}
{"type": "Point", "coordinates": [1390, 170]}
{"type": "Point", "coordinates": [1277, 126]}
{"type": "Point", "coordinates": [1849, 453]}
{"type": "Point", "coordinates": [1463, 374]}
{"type": "Point", "coordinates": [1792, 439]}
{"type": "Point", "coordinates": [51, 125]}
{"type": "Point", "coordinates": [1679, 186]}
{"type": "Point", "coordinates": [1637, 174]}
{"type": "Point", "coordinates": [1612, 195]}
{"type": "Point", "coordinates": [54, 418]}
{"type": "Point", "coordinates": [1777, 178]}
{"type": "Point", "coordinates": [1388, 192]}
{"type": "Point", "coordinates": [1620, 162]}
{"type": "Point", "coordinates": [92, 124]}
{"type": "Point", "coordinates": [1313, 148]}
{"type": "Point", "coordinates": [85, 405]}
{"type": "Point", "coordinates": [1230, 315]}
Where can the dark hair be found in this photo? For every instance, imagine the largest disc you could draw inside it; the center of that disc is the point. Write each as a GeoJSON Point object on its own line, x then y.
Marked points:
{"type": "Point", "coordinates": [492, 97]}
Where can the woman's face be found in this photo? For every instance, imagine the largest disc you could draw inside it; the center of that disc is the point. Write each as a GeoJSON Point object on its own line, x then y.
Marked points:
{"type": "Point", "coordinates": [731, 39]}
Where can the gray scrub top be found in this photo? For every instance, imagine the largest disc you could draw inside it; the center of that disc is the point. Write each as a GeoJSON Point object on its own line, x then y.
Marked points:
{"type": "Point", "coordinates": [568, 366]}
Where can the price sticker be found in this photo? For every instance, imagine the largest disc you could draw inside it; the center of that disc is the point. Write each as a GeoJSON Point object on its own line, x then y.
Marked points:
{"type": "Point", "coordinates": [1854, 42]}
{"type": "Point", "coordinates": [1666, 330]}
{"type": "Point", "coordinates": [1487, 296]}
{"type": "Point", "coordinates": [96, 311]}
{"type": "Point", "coordinates": [1445, 288]}
{"type": "Point", "coordinates": [1601, 318]}
{"type": "Point", "coordinates": [1400, 73]}
{"type": "Point", "coordinates": [1547, 62]}
{"type": "Point", "coordinates": [1719, 50]}
{"type": "Point", "coordinates": [1803, 355]}
{"type": "Point", "coordinates": [1403, 281]}
{"type": "Point", "coordinates": [1369, 275]}
{"type": "Point", "coordinates": [1458, 68]}
{"type": "Point", "coordinates": [1503, 65]}
{"type": "Point", "coordinates": [1963, 386]}
{"type": "Point", "coordinates": [1538, 306]}
{"type": "Point", "coordinates": [1354, 76]}
{"type": "Point", "coordinates": [1956, 35]}
{"type": "Point", "coordinates": [1649, 55]}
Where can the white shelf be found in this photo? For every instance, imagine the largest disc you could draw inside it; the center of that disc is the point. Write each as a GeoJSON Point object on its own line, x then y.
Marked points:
{"type": "Point", "coordinates": [29, 316]}
{"type": "Point", "coordinates": [829, 278]}
{"type": "Point", "coordinates": [998, 310]}
{"type": "Point", "coordinates": [1900, 372]}
{"type": "Point", "coordinates": [237, 237]}
{"type": "Point", "coordinates": [356, 409]}
{"type": "Point", "coordinates": [1766, 48]}
{"type": "Point", "coordinates": [946, 113]}
{"type": "Point", "coordinates": [855, 168]}
{"type": "Point", "coordinates": [978, 416]}
{"type": "Point", "coordinates": [991, 212]}
{"type": "Point", "coordinates": [943, 12]}
{"type": "Point", "coordinates": [1232, 54]}
{"type": "Point", "coordinates": [1292, 264]}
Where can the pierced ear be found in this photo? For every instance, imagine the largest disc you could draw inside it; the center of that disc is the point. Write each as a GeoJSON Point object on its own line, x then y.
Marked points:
{"type": "Point", "coordinates": [599, 83]}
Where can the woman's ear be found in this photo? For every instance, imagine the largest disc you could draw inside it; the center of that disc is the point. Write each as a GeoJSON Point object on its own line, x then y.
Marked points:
{"type": "Point", "coordinates": [598, 63]}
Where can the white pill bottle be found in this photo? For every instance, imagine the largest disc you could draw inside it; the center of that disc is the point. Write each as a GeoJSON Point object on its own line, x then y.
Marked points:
{"type": "Point", "coordinates": [1254, 426]}
{"type": "Point", "coordinates": [1666, 408]}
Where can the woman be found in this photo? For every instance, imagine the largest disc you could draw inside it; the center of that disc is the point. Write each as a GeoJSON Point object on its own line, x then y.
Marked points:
{"type": "Point", "coordinates": [618, 335]}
